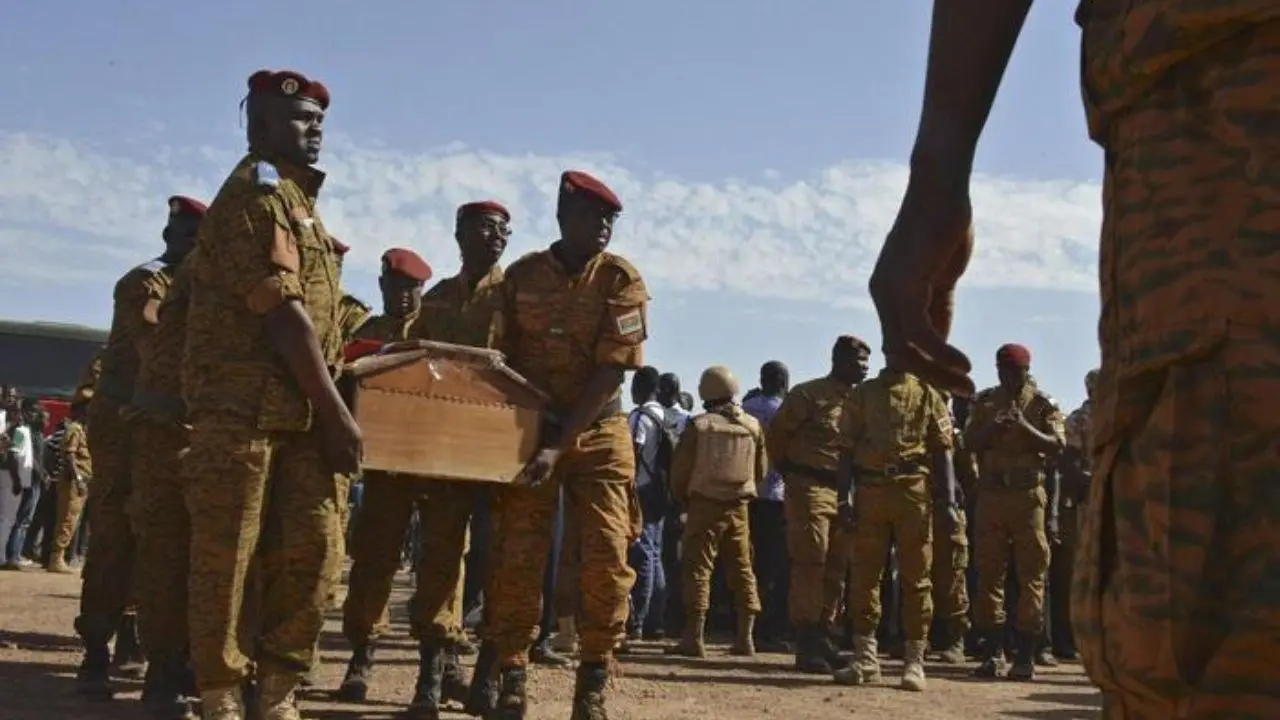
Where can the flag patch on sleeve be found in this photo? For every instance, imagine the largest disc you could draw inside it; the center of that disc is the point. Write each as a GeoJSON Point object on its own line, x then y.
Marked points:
{"type": "Point", "coordinates": [630, 323]}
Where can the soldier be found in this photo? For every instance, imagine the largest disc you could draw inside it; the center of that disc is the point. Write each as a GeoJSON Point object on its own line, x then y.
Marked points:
{"type": "Point", "coordinates": [805, 443]}
{"type": "Point", "coordinates": [263, 347]}
{"type": "Point", "coordinates": [574, 323]}
{"type": "Point", "coordinates": [1016, 430]}
{"type": "Point", "coordinates": [107, 579]}
{"type": "Point", "coordinates": [951, 550]}
{"type": "Point", "coordinates": [403, 276]}
{"type": "Point", "coordinates": [159, 443]}
{"type": "Point", "coordinates": [75, 472]}
{"type": "Point", "coordinates": [717, 466]}
{"type": "Point", "coordinates": [1076, 475]}
{"type": "Point", "coordinates": [898, 467]}
{"type": "Point", "coordinates": [463, 309]}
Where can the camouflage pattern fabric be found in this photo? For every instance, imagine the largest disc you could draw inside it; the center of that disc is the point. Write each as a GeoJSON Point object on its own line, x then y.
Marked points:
{"type": "Point", "coordinates": [714, 526]}
{"type": "Point", "coordinates": [950, 561]}
{"type": "Point", "coordinates": [352, 316]}
{"type": "Point", "coordinates": [806, 430]}
{"type": "Point", "coordinates": [893, 425]}
{"type": "Point", "coordinates": [137, 298]}
{"type": "Point", "coordinates": [255, 482]}
{"type": "Point", "coordinates": [1173, 605]}
{"type": "Point", "coordinates": [811, 513]}
{"type": "Point", "coordinates": [835, 573]}
{"type": "Point", "coordinates": [164, 537]}
{"type": "Point", "coordinates": [385, 513]}
{"type": "Point", "coordinates": [557, 330]}
{"type": "Point", "coordinates": [1011, 509]}
{"type": "Point", "coordinates": [73, 486]}
{"type": "Point", "coordinates": [453, 312]}
{"type": "Point", "coordinates": [386, 328]}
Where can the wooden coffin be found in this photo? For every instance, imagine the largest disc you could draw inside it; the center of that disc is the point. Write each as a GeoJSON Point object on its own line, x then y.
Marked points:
{"type": "Point", "coordinates": [444, 411]}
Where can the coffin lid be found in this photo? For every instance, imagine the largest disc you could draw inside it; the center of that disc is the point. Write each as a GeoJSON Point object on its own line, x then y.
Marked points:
{"type": "Point", "coordinates": [399, 354]}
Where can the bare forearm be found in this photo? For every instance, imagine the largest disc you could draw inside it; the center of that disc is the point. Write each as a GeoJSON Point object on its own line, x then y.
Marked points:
{"type": "Point", "coordinates": [970, 43]}
{"type": "Point", "coordinates": [293, 337]}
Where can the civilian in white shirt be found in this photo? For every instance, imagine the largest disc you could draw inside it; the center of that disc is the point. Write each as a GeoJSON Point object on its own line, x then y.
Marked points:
{"type": "Point", "coordinates": [648, 595]}
{"type": "Point", "coordinates": [15, 478]}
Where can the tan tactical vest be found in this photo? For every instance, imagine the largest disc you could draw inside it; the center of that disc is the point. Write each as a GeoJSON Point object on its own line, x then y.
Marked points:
{"type": "Point", "coordinates": [724, 467]}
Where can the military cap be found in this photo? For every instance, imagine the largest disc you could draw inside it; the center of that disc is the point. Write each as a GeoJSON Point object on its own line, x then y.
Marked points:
{"type": "Point", "coordinates": [338, 246]}
{"type": "Point", "coordinates": [287, 83]}
{"type": "Point", "coordinates": [1013, 355]}
{"type": "Point", "coordinates": [407, 263]}
{"type": "Point", "coordinates": [574, 181]}
{"type": "Point", "coordinates": [850, 343]}
{"type": "Point", "coordinates": [482, 207]}
{"type": "Point", "coordinates": [183, 205]}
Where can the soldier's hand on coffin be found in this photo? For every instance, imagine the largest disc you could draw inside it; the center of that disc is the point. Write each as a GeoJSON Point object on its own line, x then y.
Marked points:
{"type": "Point", "coordinates": [343, 446]}
{"type": "Point", "coordinates": [539, 468]}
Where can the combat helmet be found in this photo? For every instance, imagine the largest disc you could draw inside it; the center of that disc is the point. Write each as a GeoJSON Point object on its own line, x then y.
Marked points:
{"type": "Point", "coordinates": [717, 383]}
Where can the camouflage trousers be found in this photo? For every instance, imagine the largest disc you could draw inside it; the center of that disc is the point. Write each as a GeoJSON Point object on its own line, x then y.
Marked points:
{"type": "Point", "coordinates": [950, 561]}
{"type": "Point", "coordinates": [164, 537]}
{"type": "Point", "coordinates": [265, 499]}
{"type": "Point", "coordinates": [892, 512]}
{"type": "Point", "coordinates": [597, 477]}
{"type": "Point", "coordinates": [819, 559]}
{"type": "Point", "coordinates": [71, 497]}
{"type": "Point", "coordinates": [1010, 518]}
{"type": "Point", "coordinates": [444, 513]}
{"type": "Point", "coordinates": [106, 590]}
{"type": "Point", "coordinates": [714, 526]}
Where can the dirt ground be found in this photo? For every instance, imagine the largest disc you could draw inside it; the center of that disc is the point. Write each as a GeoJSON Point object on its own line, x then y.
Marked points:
{"type": "Point", "coordinates": [39, 652]}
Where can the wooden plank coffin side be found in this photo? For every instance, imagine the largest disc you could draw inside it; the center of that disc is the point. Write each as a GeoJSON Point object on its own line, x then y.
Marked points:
{"type": "Point", "coordinates": [445, 411]}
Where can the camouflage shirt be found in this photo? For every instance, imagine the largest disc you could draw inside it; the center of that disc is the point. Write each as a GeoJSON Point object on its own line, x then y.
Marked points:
{"type": "Point", "coordinates": [1010, 459]}
{"type": "Point", "coordinates": [894, 421]}
{"type": "Point", "coordinates": [806, 432]}
{"type": "Point", "coordinates": [386, 328]}
{"type": "Point", "coordinates": [136, 300]}
{"type": "Point", "coordinates": [77, 465]}
{"type": "Point", "coordinates": [454, 313]}
{"type": "Point", "coordinates": [158, 390]}
{"type": "Point", "coordinates": [352, 316]}
{"type": "Point", "coordinates": [558, 328]}
{"type": "Point", "coordinates": [260, 245]}
{"type": "Point", "coordinates": [1077, 432]}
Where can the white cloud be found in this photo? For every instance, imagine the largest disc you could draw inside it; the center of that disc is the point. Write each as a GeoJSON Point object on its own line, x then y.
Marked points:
{"type": "Point", "coordinates": [88, 213]}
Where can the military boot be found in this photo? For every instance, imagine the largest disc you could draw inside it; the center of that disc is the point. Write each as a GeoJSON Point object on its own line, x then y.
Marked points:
{"type": "Point", "coordinates": [482, 696]}
{"type": "Point", "coordinates": [588, 692]}
{"type": "Point", "coordinates": [453, 684]}
{"type": "Point", "coordinates": [744, 645]}
{"type": "Point", "coordinates": [953, 654]}
{"type": "Point", "coordinates": [162, 696]}
{"type": "Point", "coordinates": [809, 655]}
{"type": "Point", "coordinates": [865, 668]}
{"type": "Point", "coordinates": [277, 696]}
{"type": "Point", "coordinates": [692, 643]}
{"type": "Point", "coordinates": [129, 658]}
{"type": "Point", "coordinates": [355, 684]}
{"type": "Point", "coordinates": [512, 698]}
{"type": "Point", "coordinates": [93, 677]}
{"type": "Point", "coordinates": [992, 654]}
{"type": "Point", "coordinates": [59, 566]}
{"type": "Point", "coordinates": [913, 665]}
{"type": "Point", "coordinates": [1044, 656]}
{"type": "Point", "coordinates": [224, 704]}
{"type": "Point", "coordinates": [427, 696]}
{"type": "Point", "coordinates": [1024, 658]}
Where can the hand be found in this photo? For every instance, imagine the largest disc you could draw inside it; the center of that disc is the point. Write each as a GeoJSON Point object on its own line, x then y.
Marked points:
{"type": "Point", "coordinates": [343, 446]}
{"type": "Point", "coordinates": [539, 468]}
{"type": "Point", "coordinates": [846, 516]}
{"type": "Point", "coordinates": [1051, 530]}
{"type": "Point", "coordinates": [955, 521]}
{"type": "Point", "coordinates": [914, 281]}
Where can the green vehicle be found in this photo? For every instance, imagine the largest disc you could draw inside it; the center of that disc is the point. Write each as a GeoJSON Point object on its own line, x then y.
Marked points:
{"type": "Point", "coordinates": [44, 360]}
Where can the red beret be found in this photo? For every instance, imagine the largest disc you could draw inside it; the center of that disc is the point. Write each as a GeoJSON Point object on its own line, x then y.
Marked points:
{"type": "Point", "coordinates": [287, 83]}
{"type": "Point", "coordinates": [338, 246]}
{"type": "Point", "coordinates": [183, 205]}
{"type": "Point", "coordinates": [407, 263]}
{"type": "Point", "coordinates": [1013, 355]}
{"type": "Point", "coordinates": [575, 180]}
{"type": "Point", "coordinates": [484, 206]}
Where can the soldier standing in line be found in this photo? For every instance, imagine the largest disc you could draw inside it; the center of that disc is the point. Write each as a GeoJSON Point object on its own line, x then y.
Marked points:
{"type": "Point", "coordinates": [951, 550]}
{"type": "Point", "coordinates": [107, 594]}
{"type": "Point", "coordinates": [898, 468]}
{"type": "Point", "coordinates": [574, 324]}
{"type": "Point", "coordinates": [716, 469]}
{"type": "Point", "coordinates": [269, 429]}
{"type": "Point", "coordinates": [75, 473]}
{"type": "Point", "coordinates": [805, 444]}
{"type": "Point", "coordinates": [1076, 475]}
{"type": "Point", "coordinates": [1015, 428]}
{"type": "Point", "coordinates": [159, 443]}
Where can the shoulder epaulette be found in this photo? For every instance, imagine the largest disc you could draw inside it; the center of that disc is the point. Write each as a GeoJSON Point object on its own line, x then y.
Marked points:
{"type": "Point", "coordinates": [1046, 397]}
{"type": "Point", "coordinates": [153, 266]}
{"type": "Point", "coordinates": [628, 270]}
{"type": "Point", "coordinates": [266, 174]}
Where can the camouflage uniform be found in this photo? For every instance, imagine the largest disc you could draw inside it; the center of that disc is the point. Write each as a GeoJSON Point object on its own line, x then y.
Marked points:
{"type": "Point", "coordinates": [716, 468]}
{"type": "Point", "coordinates": [805, 443]}
{"type": "Point", "coordinates": [951, 562]}
{"type": "Point", "coordinates": [107, 578]}
{"type": "Point", "coordinates": [558, 330]}
{"type": "Point", "coordinates": [894, 425]}
{"type": "Point", "coordinates": [252, 429]}
{"type": "Point", "coordinates": [1062, 562]}
{"type": "Point", "coordinates": [73, 486]}
{"type": "Point", "coordinates": [1173, 606]}
{"type": "Point", "coordinates": [352, 316]}
{"type": "Point", "coordinates": [1011, 512]}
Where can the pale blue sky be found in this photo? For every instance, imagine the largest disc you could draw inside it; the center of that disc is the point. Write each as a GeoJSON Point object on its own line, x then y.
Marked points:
{"type": "Point", "coordinates": [757, 145]}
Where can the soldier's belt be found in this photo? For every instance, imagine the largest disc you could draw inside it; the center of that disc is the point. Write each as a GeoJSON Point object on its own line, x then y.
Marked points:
{"type": "Point", "coordinates": [824, 477]}
{"type": "Point", "coordinates": [165, 407]}
{"type": "Point", "coordinates": [905, 468]}
{"type": "Point", "coordinates": [116, 388]}
{"type": "Point", "coordinates": [1017, 478]}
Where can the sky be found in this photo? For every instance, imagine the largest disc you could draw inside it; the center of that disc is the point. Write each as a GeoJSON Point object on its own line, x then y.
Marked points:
{"type": "Point", "coordinates": [759, 148]}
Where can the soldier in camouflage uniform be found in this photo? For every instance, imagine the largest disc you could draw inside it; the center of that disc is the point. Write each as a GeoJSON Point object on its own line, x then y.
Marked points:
{"type": "Point", "coordinates": [573, 324]}
{"type": "Point", "coordinates": [1076, 474]}
{"type": "Point", "coordinates": [899, 436]}
{"type": "Point", "coordinates": [269, 429]}
{"type": "Point", "coordinates": [1017, 431]}
{"type": "Point", "coordinates": [75, 473]}
{"type": "Point", "coordinates": [717, 466]}
{"type": "Point", "coordinates": [107, 589]}
{"type": "Point", "coordinates": [951, 550]}
{"type": "Point", "coordinates": [159, 437]}
{"type": "Point", "coordinates": [805, 444]}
